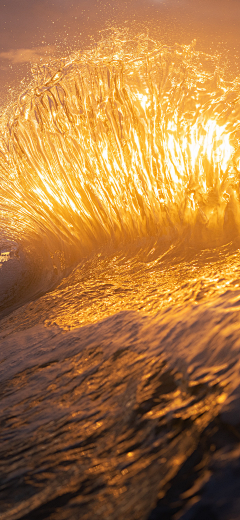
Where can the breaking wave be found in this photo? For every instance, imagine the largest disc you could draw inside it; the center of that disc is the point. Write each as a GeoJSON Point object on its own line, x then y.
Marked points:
{"type": "Point", "coordinates": [120, 283]}
{"type": "Point", "coordinates": [131, 139]}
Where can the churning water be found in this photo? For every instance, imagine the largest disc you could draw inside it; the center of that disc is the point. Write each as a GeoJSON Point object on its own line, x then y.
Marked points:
{"type": "Point", "coordinates": [120, 299]}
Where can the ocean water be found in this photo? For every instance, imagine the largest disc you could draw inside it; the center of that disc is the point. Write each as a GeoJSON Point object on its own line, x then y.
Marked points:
{"type": "Point", "coordinates": [120, 287]}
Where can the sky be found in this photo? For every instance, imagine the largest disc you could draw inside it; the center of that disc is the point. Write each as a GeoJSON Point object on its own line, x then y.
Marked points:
{"type": "Point", "coordinates": [34, 30]}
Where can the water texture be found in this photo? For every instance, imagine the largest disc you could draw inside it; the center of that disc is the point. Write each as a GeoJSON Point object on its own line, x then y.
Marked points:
{"type": "Point", "coordinates": [120, 276]}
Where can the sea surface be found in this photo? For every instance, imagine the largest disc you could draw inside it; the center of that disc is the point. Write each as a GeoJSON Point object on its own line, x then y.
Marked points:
{"type": "Point", "coordinates": [120, 287]}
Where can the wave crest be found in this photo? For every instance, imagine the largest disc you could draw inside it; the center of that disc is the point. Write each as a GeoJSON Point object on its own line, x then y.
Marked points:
{"type": "Point", "coordinates": [130, 139]}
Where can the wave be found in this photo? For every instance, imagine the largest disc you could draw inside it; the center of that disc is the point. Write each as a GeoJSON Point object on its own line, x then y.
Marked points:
{"type": "Point", "coordinates": [119, 192]}
{"type": "Point", "coordinates": [129, 139]}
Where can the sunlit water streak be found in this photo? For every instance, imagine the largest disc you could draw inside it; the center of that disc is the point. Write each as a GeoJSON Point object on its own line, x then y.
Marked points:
{"type": "Point", "coordinates": [120, 220]}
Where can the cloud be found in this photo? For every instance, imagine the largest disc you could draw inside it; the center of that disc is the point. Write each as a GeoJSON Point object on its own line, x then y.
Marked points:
{"type": "Point", "coordinates": [34, 55]}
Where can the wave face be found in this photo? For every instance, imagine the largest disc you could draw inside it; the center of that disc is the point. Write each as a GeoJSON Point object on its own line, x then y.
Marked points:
{"type": "Point", "coordinates": [132, 139]}
{"type": "Point", "coordinates": [120, 276]}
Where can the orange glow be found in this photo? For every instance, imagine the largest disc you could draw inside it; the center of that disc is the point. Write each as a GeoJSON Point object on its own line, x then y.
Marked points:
{"type": "Point", "coordinates": [123, 144]}
{"type": "Point", "coordinates": [131, 140]}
